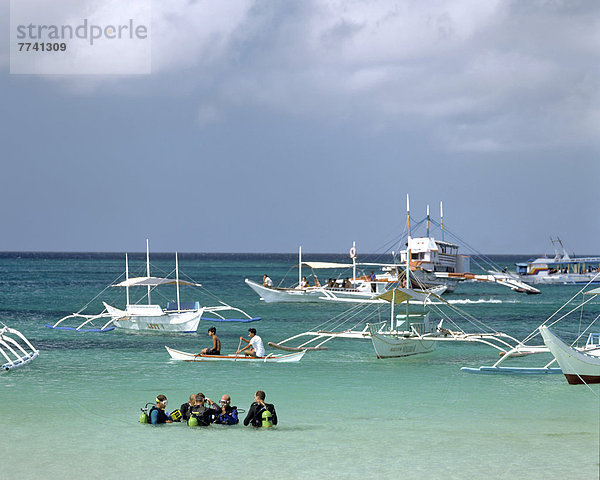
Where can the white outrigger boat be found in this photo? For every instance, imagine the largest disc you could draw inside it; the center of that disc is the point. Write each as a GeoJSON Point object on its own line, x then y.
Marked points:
{"type": "Point", "coordinates": [271, 358]}
{"type": "Point", "coordinates": [177, 317]}
{"type": "Point", "coordinates": [561, 269]}
{"type": "Point", "coordinates": [16, 350]}
{"type": "Point", "coordinates": [576, 363]}
{"type": "Point", "coordinates": [361, 290]}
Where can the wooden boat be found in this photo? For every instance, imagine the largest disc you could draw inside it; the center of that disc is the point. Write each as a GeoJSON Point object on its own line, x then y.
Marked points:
{"type": "Point", "coordinates": [16, 349]}
{"type": "Point", "coordinates": [271, 358]}
{"type": "Point", "coordinates": [578, 365]}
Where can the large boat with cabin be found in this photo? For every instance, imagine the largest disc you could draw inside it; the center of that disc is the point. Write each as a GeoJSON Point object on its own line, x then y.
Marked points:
{"type": "Point", "coordinates": [560, 269]}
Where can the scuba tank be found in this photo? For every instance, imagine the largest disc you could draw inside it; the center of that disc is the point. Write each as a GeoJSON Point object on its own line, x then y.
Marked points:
{"type": "Point", "coordinates": [144, 417]}
{"type": "Point", "coordinates": [266, 418]}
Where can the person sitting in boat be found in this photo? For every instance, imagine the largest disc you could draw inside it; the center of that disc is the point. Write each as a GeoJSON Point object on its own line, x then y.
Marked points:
{"type": "Point", "coordinates": [267, 282]}
{"type": "Point", "coordinates": [304, 283]}
{"type": "Point", "coordinates": [261, 414]}
{"type": "Point", "coordinates": [216, 346]}
{"type": "Point", "coordinates": [201, 414]}
{"type": "Point", "coordinates": [255, 347]}
{"type": "Point", "coordinates": [157, 413]}
{"type": "Point", "coordinates": [228, 414]}
{"type": "Point", "coordinates": [347, 283]}
{"type": "Point", "coordinates": [330, 283]}
{"type": "Point", "coordinates": [186, 408]}
{"type": "Point", "coordinates": [373, 279]}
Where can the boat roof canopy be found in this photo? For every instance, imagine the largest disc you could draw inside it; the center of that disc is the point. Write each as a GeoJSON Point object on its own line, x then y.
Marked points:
{"type": "Point", "coordinates": [152, 282]}
{"type": "Point", "coordinates": [395, 295]}
{"type": "Point", "coordinates": [316, 265]}
{"type": "Point", "coordinates": [399, 295]}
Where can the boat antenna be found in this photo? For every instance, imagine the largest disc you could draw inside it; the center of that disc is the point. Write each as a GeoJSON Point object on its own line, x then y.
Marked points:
{"type": "Point", "coordinates": [148, 267]}
{"type": "Point", "coordinates": [127, 278]}
{"type": "Point", "coordinates": [177, 280]}
{"type": "Point", "coordinates": [442, 218]}
{"type": "Point", "coordinates": [408, 214]}
{"type": "Point", "coordinates": [427, 221]}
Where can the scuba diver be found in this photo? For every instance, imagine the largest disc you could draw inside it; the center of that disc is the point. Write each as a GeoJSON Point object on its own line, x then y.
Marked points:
{"type": "Point", "coordinates": [186, 407]}
{"type": "Point", "coordinates": [157, 413]}
{"type": "Point", "coordinates": [261, 414]}
{"type": "Point", "coordinates": [228, 414]}
{"type": "Point", "coordinates": [201, 415]}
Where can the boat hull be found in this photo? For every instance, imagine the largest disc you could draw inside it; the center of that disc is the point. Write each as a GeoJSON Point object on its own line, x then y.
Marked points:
{"type": "Point", "coordinates": [430, 280]}
{"type": "Point", "coordinates": [561, 278]}
{"type": "Point", "coordinates": [578, 367]}
{"type": "Point", "coordinates": [155, 320]}
{"type": "Point", "coordinates": [191, 357]}
{"type": "Point", "coordinates": [310, 295]}
{"type": "Point", "coordinates": [391, 345]}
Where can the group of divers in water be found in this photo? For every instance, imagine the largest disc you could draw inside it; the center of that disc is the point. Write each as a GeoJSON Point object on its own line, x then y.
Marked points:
{"type": "Point", "coordinates": [201, 411]}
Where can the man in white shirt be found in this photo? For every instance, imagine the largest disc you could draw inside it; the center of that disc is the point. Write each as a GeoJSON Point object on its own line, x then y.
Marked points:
{"type": "Point", "coordinates": [267, 282]}
{"type": "Point", "coordinates": [255, 347]}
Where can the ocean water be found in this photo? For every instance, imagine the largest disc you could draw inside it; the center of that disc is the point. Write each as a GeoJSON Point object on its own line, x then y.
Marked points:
{"type": "Point", "coordinates": [342, 412]}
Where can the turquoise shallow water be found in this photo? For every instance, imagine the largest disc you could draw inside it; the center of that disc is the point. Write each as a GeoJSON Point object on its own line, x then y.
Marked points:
{"type": "Point", "coordinates": [343, 413]}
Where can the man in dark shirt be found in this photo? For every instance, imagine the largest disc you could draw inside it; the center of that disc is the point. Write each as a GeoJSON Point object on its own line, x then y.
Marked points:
{"type": "Point", "coordinates": [258, 407]}
{"type": "Point", "coordinates": [186, 407]}
{"type": "Point", "coordinates": [202, 413]}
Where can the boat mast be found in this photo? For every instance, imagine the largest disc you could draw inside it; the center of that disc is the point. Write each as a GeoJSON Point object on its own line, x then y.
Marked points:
{"type": "Point", "coordinates": [427, 221]}
{"type": "Point", "coordinates": [299, 265]}
{"type": "Point", "coordinates": [408, 215]}
{"type": "Point", "coordinates": [177, 279]}
{"type": "Point", "coordinates": [354, 264]}
{"type": "Point", "coordinates": [392, 310]}
{"type": "Point", "coordinates": [407, 286]}
{"type": "Point", "coordinates": [126, 278]}
{"type": "Point", "coordinates": [407, 260]}
{"type": "Point", "coordinates": [148, 267]}
{"type": "Point", "coordinates": [442, 218]}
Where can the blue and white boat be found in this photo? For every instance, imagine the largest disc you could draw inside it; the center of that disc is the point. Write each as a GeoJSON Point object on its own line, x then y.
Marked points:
{"type": "Point", "coordinates": [560, 269]}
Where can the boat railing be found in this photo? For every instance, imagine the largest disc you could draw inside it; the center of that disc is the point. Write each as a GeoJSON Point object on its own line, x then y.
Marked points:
{"type": "Point", "coordinates": [419, 328]}
{"type": "Point", "coordinates": [593, 340]}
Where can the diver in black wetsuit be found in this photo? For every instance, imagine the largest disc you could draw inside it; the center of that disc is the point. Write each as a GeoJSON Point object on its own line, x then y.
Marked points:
{"type": "Point", "coordinates": [261, 414]}
{"type": "Point", "coordinates": [202, 414]}
{"type": "Point", "coordinates": [186, 407]}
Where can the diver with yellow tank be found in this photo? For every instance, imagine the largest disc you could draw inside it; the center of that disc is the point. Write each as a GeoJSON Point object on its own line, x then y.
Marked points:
{"type": "Point", "coordinates": [261, 414]}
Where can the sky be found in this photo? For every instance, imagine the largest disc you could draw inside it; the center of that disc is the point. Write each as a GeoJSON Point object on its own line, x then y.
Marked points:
{"type": "Point", "coordinates": [265, 125]}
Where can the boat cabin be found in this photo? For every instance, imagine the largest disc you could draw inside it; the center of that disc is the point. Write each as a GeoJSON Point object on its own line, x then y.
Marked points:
{"type": "Point", "coordinates": [435, 255]}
